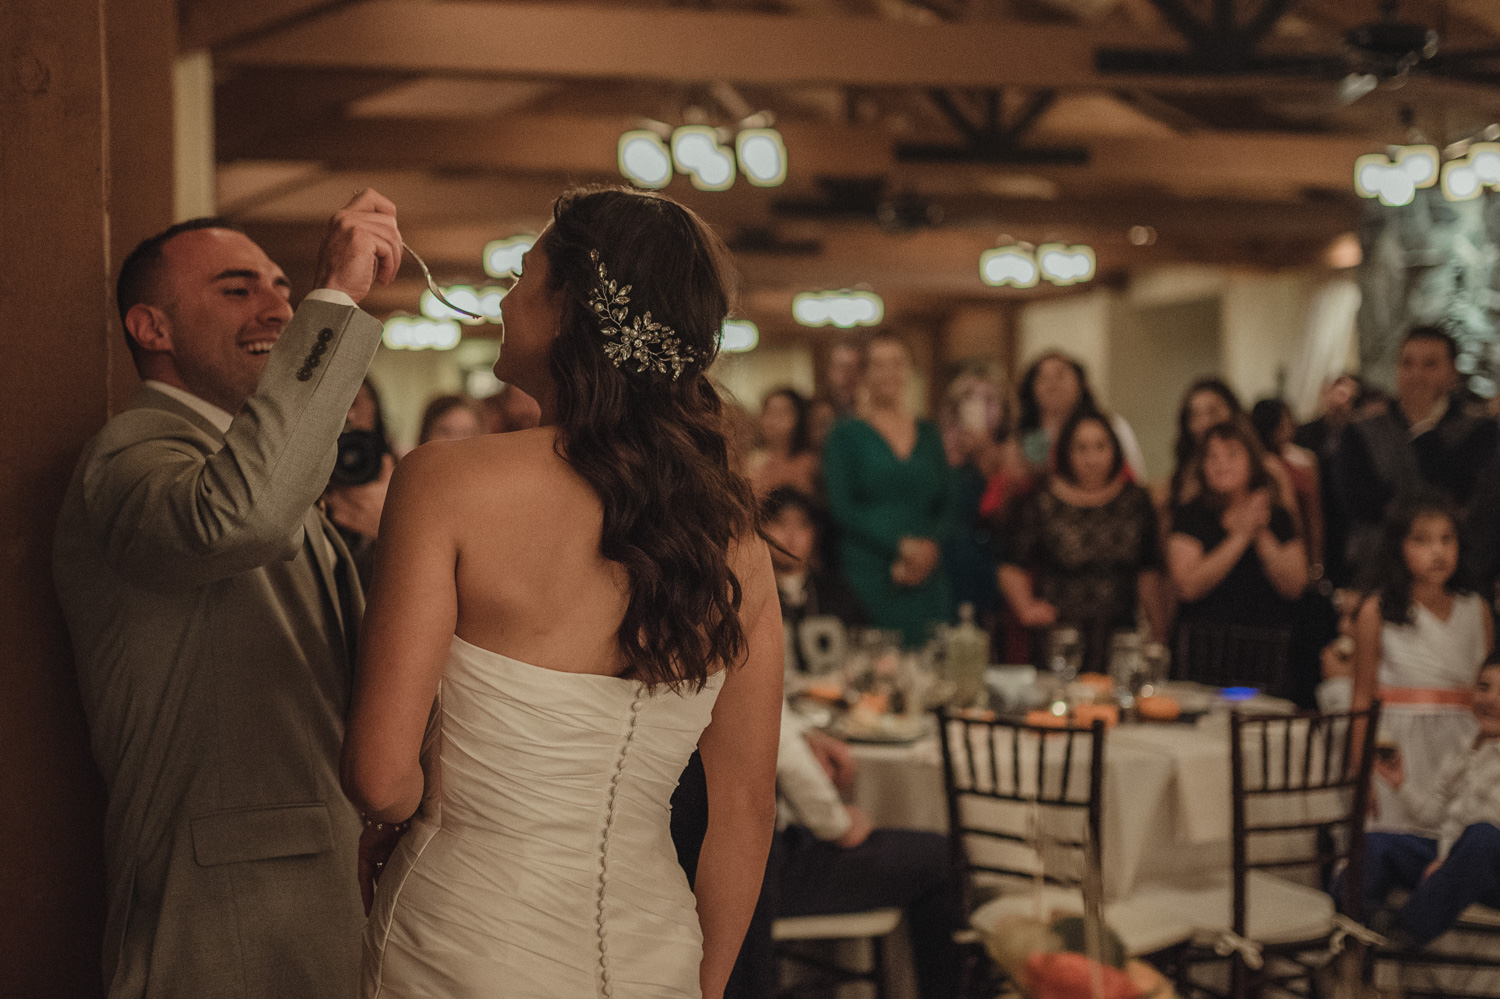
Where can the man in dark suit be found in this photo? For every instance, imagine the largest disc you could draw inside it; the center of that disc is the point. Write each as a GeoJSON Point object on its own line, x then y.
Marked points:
{"type": "Point", "coordinates": [1435, 436]}
{"type": "Point", "coordinates": [213, 612]}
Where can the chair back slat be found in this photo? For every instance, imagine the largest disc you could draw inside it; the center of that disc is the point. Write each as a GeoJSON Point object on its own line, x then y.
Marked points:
{"type": "Point", "coordinates": [1232, 655]}
{"type": "Point", "coordinates": [1004, 807]}
{"type": "Point", "coordinates": [1299, 812]}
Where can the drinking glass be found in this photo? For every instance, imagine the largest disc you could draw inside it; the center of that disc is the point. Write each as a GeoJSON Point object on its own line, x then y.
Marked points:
{"type": "Point", "coordinates": [1064, 653]}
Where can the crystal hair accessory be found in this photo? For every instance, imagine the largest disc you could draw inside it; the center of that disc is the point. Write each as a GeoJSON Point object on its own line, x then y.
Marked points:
{"type": "Point", "coordinates": [642, 340]}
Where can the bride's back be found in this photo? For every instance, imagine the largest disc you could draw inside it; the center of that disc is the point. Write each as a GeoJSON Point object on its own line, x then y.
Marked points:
{"type": "Point", "coordinates": [532, 584]}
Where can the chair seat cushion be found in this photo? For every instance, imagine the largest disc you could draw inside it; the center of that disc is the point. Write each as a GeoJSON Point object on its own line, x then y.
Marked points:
{"type": "Point", "coordinates": [1143, 927]}
{"type": "Point", "coordinates": [1277, 910]}
{"type": "Point", "coordinates": [1480, 915]}
{"type": "Point", "coordinates": [844, 926]}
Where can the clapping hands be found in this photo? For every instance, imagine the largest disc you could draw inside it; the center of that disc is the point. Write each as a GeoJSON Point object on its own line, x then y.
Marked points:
{"type": "Point", "coordinates": [1249, 516]}
{"type": "Point", "coordinates": [916, 559]}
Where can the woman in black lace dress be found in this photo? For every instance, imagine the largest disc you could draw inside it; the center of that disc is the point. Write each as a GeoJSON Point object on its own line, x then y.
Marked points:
{"type": "Point", "coordinates": [1083, 548]}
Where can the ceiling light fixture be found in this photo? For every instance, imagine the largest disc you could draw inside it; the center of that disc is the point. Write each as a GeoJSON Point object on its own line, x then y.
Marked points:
{"type": "Point", "coordinates": [502, 257]}
{"type": "Point", "coordinates": [762, 156]}
{"type": "Point", "coordinates": [418, 333]}
{"type": "Point", "coordinates": [647, 160]}
{"type": "Point", "coordinates": [644, 159]}
{"type": "Point", "coordinates": [1008, 265]}
{"type": "Point", "coordinates": [1395, 179]}
{"type": "Point", "coordinates": [1019, 266]}
{"type": "Point", "coordinates": [1066, 265]}
{"type": "Point", "coordinates": [738, 336]}
{"type": "Point", "coordinates": [844, 308]}
{"type": "Point", "coordinates": [697, 153]}
{"type": "Point", "coordinates": [1465, 179]}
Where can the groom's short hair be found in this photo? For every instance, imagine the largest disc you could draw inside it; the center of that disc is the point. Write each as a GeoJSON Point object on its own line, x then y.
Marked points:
{"type": "Point", "coordinates": [140, 274]}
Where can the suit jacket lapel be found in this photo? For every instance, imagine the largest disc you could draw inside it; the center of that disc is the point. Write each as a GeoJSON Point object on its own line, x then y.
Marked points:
{"type": "Point", "coordinates": [322, 551]}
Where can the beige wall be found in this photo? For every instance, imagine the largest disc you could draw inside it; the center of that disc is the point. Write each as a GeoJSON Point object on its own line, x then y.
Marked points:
{"type": "Point", "coordinates": [1158, 350]}
{"type": "Point", "coordinates": [1264, 317]}
{"type": "Point", "coordinates": [748, 377]}
{"type": "Point", "coordinates": [1078, 325]}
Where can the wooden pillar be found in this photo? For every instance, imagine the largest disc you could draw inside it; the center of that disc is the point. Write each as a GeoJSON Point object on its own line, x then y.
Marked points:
{"type": "Point", "coordinates": [62, 128]}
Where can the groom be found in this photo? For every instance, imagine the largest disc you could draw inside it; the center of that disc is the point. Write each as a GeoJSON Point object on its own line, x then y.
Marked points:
{"type": "Point", "coordinates": [213, 612]}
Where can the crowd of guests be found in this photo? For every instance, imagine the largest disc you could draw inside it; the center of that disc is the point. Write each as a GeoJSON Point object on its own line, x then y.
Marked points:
{"type": "Point", "coordinates": [1319, 562]}
{"type": "Point", "coordinates": [1349, 558]}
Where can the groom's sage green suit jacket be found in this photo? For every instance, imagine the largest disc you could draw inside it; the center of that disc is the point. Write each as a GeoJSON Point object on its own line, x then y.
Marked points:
{"type": "Point", "coordinates": [214, 643]}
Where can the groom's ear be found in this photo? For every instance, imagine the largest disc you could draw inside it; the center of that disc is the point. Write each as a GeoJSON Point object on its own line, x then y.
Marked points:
{"type": "Point", "coordinates": [149, 327]}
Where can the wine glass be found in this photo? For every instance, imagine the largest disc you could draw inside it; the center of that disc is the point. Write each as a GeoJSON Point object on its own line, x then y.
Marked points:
{"type": "Point", "coordinates": [1065, 652]}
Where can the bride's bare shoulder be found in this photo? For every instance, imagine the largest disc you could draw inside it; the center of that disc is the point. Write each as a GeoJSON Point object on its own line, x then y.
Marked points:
{"type": "Point", "coordinates": [485, 462]}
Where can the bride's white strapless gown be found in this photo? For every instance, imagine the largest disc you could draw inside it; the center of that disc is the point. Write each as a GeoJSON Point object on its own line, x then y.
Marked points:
{"type": "Point", "coordinates": [541, 862]}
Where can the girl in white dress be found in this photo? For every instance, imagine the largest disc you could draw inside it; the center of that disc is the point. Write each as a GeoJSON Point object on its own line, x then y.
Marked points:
{"type": "Point", "coordinates": [1419, 640]}
{"type": "Point", "coordinates": [558, 617]}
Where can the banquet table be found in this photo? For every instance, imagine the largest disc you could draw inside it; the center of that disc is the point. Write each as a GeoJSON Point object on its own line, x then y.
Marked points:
{"type": "Point", "coordinates": [1166, 814]}
{"type": "Point", "coordinates": [1166, 822]}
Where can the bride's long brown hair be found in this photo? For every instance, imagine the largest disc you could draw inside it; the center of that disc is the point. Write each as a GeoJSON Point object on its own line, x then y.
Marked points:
{"type": "Point", "coordinates": [653, 448]}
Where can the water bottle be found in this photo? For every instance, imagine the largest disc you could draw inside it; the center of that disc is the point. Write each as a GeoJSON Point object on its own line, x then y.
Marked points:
{"type": "Point", "coordinates": [966, 657]}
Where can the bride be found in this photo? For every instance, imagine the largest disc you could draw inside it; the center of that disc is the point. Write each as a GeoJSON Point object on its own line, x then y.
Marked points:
{"type": "Point", "coordinates": [559, 617]}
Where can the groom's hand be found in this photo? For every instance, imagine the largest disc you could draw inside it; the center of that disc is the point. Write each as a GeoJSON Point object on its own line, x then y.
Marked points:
{"type": "Point", "coordinates": [362, 246]}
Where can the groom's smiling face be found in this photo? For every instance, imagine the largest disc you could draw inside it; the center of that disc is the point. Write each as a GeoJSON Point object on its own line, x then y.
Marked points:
{"type": "Point", "coordinates": [223, 304]}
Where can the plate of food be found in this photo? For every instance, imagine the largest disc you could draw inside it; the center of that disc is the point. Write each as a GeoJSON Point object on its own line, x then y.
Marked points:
{"type": "Point", "coordinates": [869, 726]}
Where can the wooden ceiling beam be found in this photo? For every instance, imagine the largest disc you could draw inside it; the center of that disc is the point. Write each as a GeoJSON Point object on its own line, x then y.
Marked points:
{"type": "Point", "coordinates": [554, 143]}
{"type": "Point", "coordinates": [675, 44]}
{"type": "Point", "coordinates": [209, 24]}
{"type": "Point", "coordinates": [542, 155]}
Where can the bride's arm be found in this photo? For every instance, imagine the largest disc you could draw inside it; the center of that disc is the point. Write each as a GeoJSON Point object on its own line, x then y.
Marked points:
{"type": "Point", "coordinates": [739, 760]}
{"type": "Point", "coordinates": [408, 628]}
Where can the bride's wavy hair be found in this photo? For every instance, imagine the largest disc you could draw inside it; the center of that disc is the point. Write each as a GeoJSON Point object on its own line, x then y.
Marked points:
{"type": "Point", "coordinates": [653, 448]}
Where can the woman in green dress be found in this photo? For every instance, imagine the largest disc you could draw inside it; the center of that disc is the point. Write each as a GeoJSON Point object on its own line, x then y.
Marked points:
{"type": "Point", "coordinates": [891, 495]}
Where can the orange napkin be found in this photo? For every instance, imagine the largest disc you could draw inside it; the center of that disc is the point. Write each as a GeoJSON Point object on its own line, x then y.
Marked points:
{"type": "Point", "coordinates": [1159, 708]}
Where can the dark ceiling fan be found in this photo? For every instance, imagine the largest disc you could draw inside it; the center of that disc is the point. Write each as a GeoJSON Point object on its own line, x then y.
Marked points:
{"type": "Point", "coordinates": [1227, 44]}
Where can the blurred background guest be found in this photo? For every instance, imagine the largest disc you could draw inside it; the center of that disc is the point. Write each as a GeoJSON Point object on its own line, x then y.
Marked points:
{"type": "Point", "coordinates": [510, 409]}
{"type": "Point", "coordinates": [1316, 621]}
{"type": "Point", "coordinates": [1433, 436]}
{"type": "Point", "coordinates": [356, 490]}
{"type": "Point", "coordinates": [844, 372]}
{"type": "Point", "coordinates": [828, 858]}
{"type": "Point", "coordinates": [1236, 563]}
{"type": "Point", "coordinates": [1049, 391]}
{"type": "Point", "coordinates": [1338, 401]}
{"type": "Point", "coordinates": [1447, 874]}
{"type": "Point", "coordinates": [1206, 403]}
{"type": "Point", "coordinates": [806, 589]}
{"type": "Point", "coordinates": [1272, 419]}
{"type": "Point", "coordinates": [973, 420]}
{"type": "Point", "coordinates": [785, 456]}
{"type": "Point", "coordinates": [891, 496]}
{"type": "Point", "coordinates": [1322, 437]}
{"type": "Point", "coordinates": [452, 418]}
{"type": "Point", "coordinates": [1083, 549]}
{"type": "Point", "coordinates": [1419, 641]}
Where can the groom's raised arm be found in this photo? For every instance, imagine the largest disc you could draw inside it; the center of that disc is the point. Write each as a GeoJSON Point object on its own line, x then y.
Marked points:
{"type": "Point", "coordinates": [167, 515]}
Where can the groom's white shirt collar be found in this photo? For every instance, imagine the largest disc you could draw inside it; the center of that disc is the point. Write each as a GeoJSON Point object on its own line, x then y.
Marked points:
{"type": "Point", "coordinates": [213, 414]}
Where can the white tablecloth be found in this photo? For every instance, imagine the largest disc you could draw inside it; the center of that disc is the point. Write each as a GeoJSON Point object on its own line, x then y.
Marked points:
{"type": "Point", "coordinates": [1166, 799]}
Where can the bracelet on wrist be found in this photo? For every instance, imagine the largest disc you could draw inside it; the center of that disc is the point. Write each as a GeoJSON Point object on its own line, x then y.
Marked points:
{"type": "Point", "coordinates": [380, 824]}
